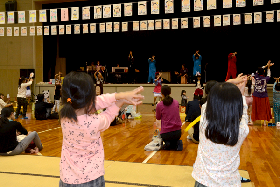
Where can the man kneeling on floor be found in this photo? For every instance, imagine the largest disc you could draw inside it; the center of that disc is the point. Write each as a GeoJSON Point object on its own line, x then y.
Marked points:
{"type": "Point", "coordinates": [42, 109]}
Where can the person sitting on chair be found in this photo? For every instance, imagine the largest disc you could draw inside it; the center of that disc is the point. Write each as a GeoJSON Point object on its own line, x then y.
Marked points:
{"type": "Point", "coordinates": [42, 109]}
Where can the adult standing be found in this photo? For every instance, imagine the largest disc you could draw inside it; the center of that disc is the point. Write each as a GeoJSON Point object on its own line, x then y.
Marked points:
{"type": "Point", "coordinates": [131, 68]}
{"type": "Point", "coordinates": [152, 68]}
{"type": "Point", "coordinates": [231, 66]}
{"type": "Point", "coordinates": [197, 63]}
{"type": "Point", "coordinates": [261, 106]}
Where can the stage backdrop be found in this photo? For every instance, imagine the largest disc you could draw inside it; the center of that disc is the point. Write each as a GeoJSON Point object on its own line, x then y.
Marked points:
{"type": "Point", "coordinates": [255, 43]}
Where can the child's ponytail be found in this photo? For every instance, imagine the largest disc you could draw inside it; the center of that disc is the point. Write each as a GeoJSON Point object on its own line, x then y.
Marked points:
{"type": "Point", "coordinates": [68, 111]}
{"type": "Point", "coordinates": [166, 91]}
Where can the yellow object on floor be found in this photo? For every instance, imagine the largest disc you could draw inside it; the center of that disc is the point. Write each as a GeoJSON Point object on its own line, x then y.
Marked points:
{"type": "Point", "coordinates": [26, 171]}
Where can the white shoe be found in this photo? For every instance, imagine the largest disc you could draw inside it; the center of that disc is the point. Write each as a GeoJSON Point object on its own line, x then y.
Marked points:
{"type": "Point", "coordinates": [189, 138]}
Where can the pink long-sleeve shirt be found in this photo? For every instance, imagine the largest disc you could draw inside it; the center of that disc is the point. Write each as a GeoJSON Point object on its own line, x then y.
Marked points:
{"type": "Point", "coordinates": [82, 154]}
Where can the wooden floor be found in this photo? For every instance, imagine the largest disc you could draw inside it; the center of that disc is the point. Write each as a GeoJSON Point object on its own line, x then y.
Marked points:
{"type": "Point", "coordinates": [259, 154]}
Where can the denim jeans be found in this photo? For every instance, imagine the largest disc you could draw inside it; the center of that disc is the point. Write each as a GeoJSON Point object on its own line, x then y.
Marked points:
{"type": "Point", "coordinates": [99, 182]}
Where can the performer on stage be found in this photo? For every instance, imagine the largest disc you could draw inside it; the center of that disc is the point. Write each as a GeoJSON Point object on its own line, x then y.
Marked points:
{"type": "Point", "coordinates": [197, 63]}
{"type": "Point", "coordinates": [231, 66]}
{"type": "Point", "coordinates": [152, 68]}
{"type": "Point", "coordinates": [131, 68]}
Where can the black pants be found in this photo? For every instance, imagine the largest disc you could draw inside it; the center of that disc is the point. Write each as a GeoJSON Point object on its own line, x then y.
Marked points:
{"type": "Point", "coordinates": [21, 102]}
{"type": "Point", "coordinates": [171, 139]}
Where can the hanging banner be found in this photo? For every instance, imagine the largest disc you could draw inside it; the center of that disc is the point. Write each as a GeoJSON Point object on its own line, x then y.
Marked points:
{"type": "Point", "coordinates": [217, 20]}
{"type": "Point", "coordinates": [116, 27]}
{"type": "Point", "coordinates": [142, 8]}
{"type": "Point", "coordinates": [117, 10]}
{"type": "Point", "coordinates": [211, 4]}
{"type": "Point", "coordinates": [101, 27]}
{"type": "Point", "coordinates": [2, 18]}
{"type": "Point", "coordinates": [127, 9]}
{"type": "Point", "coordinates": [93, 28]}
{"type": "Point", "coordinates": [174, 23]}
{"type": "Point", "coordinates": [240, 3]}
{"type": "Point", "coordinates": [23, 31]}
{"type": "Point", "coordinates": [155, 7]}
{"type": "Point", "coordinates": [226, 19]}
{"type": "Point", "coordinates": [32, 16]}
{"type": "Point", "coordinates": [39, 30]}
{"type": "Point", "coordinates": [151, 25]}
{"type": "Point", "coordinates": [169, 6]}
{"type": "Point", "coordinates": [269, 16]}
{"type": "Point", "coordinates": [85, 28]}
{"type": "Point", "coordinates": [32, 31]}
{"type": "Point", "coordinates": [77, 29]}
{"type": "Point", "coordinates": [106, 11]}
{"type": "Point", "coordinates": [135, 25]}
{"type": "Point", "coordinates": [186, 7]}
{"type": "Point", "coordinates": [257, 17]}
{"type": "Point", "coordinates": [109, 27]}
{"type": "Point", "coordinates": [236, 19]}
{"type": "Point", "coordinates": [42, 16]}
{"type": "Point", "coordinates": [158, 24]}
{"type": "Point", "coordinates": [68, 29]}
{"type": "Point", "coordinates": [86, 13]}
{"type": "Point", "coordinates": [21, 17]}
{"type": "Point", "coordinates": [206, 21]}
{"type": "Point", "coordinates": [198, 5]}
{"type": "Point", "coordinates": [53, 15]}
{"type": "Point", "coordinates": [9, 31]}
{"type": "Point", "coordinates": [184, 23]}
{"type": "Point", "coordinates": [278, 15]}
{"type": "Point", "coordinates": [61, 29]}
{"type": "Point", "coordinates": [64, 14]}
{"type": "Point", "coordinates": [53, 30]}
{"type": "Point", "coordinates": [97, 12]}
{"type": "Point", "coordinates": [227, 3]}
{"type": "Point", "coordinates": [16, 31]}
{"type": "Point", "coordinates": [166, 24]}
{"type": "Point", "coordinates": [2, 31]}
{"type": "Point", "coordinates": [46, 30]}
{"type": "Point", "coordinates": [124, 26]}
{"type": "Point", "coordinates": [248, 18]}
{"type": "Point", "coordinates": [143, 25]}
{"type": "Point", "coordinates": [75, 13]}
{"type": "Point", "coordinates": [11, 17]}
{"type": "Point", "coordinates": [196, 22]}
{"type": "Point", "coordinates": [257, 2]}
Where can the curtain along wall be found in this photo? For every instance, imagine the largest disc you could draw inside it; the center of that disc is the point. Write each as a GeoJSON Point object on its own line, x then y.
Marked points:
{"type": "Point", "coordinates": [255, 43]}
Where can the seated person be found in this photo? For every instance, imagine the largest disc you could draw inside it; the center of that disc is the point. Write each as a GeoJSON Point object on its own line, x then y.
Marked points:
{"type": "Point", "coordinates": [41, 108]}
{"type": "Point", "coordinates": [192, 107]}
{"type": "Point", "coordinates": [9, 145]}
{"type": "Point", "coordinates": [194, 131]}
{"type": "Point", "coordinates": [4, 104]}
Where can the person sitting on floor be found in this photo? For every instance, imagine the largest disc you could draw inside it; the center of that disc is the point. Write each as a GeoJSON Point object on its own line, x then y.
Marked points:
{"type": "Point", "coordinates": [192, 107]}
{"type": "Point", "coordinates": [42, 109]}
{"type": "Point", "coordinates": [3, 104]}
{"type": "Point", "coordinates": [9, 145]}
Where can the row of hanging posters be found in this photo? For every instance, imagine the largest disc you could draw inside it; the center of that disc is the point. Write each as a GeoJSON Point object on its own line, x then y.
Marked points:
{"type": "Point", "coordinates": [142, 10]}
{"type": "Point", "coordinates": [144, 25]}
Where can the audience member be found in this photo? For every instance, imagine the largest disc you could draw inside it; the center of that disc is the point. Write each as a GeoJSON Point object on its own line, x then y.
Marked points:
{"type": "Point", "coordinates": [276, 101]}
{"type": "Point", "coordinates": [4, 104]}
{"type": "Point", "coordinates": [192, 107]}
{"type": "Point", "coordinates": [42, 109]}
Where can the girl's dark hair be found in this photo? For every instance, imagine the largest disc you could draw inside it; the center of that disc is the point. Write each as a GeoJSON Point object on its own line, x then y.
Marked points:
{"type": "Point", "coordinates": [223, 112]}
{"type": "Point", "coordinates": [166, 91]}
{"type": "Point", "coordinates": [183, 91]}
{"type": "Point", "coordinates": [277, 87]}
{"type": "Point", "coordinates": [249, 85]}
{"type": "Point", "coordinates": [209, 85]}
{"type": "Point", "coordinates": [5, 113]}
{"type": "Point", "coordinates": [21, 79]}
{"type": "Point", "coordinates": [260, 71]}
{"type": "Point", "coordinates": [79, 87]}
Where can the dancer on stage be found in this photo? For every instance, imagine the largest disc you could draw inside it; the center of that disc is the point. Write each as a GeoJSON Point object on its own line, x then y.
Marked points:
{"type": "Point", "coordinates": [231, 66]}
{"type": "Point", "coordinates": [197, 63]}
{"type": "Point", "coordinates": [152, 69]}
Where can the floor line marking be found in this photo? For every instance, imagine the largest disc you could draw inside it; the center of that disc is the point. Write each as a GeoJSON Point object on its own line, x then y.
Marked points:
{"type": "Point", "coordinates": [149, 157]}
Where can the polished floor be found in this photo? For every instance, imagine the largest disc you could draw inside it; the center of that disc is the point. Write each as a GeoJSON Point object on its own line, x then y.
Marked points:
{"type": "Point", "coordinates": [259, 154]}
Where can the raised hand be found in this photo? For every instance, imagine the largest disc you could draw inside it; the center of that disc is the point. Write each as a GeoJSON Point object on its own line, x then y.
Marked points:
{"type": "Point", "coordinates": [131, 97]}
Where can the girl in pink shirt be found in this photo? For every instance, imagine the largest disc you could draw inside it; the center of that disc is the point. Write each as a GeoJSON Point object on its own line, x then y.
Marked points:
{"type": "Point", "coordinates": [82, 154]}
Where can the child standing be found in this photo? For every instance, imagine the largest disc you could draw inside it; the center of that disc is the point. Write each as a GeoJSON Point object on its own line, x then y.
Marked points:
{"type": "Point", "coordinates": [21, 96]}
{"type": "Point", "coordinates": [82, 155]}
{"type": "Point", "coordinates": [57, 93]}
{"type": "Point", "coordinates": [99, 82]}
{"type": "Point", "coordinates": [249, 89]}
{"type": "Point", "coordinates": [157, 89]}
{"type": "Point", "coordinates": [223, 128]}
{"type": "Point", "coordinates": [184, 100]}
{"type": "Point", "coordinates": [276, 101]}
